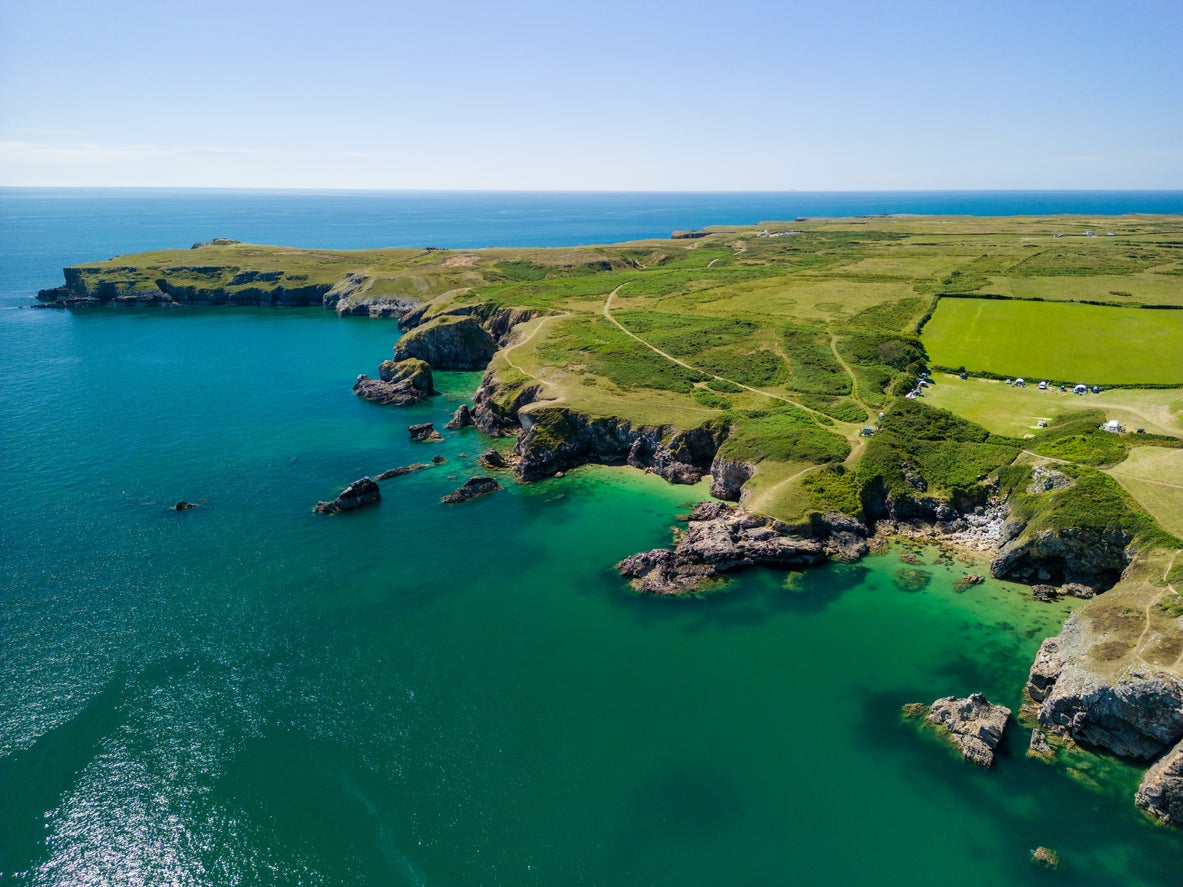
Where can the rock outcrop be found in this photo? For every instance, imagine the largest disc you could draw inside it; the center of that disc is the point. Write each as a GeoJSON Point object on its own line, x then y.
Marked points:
{"type": "Point", "coordinates": [497, 405]}
{"type": "Point", "coordinates": [719, 538]}
{"type": "Point", "coordinates": [400, 383]}
{"type": "Point", "coordinates": [462, 418]}
{"type": "Point", "coordinates": [972, 724]}
{"type": "Point", "coordinates": [490, 458]}
{"type": "Point", "coordinates": [728, 478]}
{"type": "Point", "coordinates": [448, 342]}
{"type": "Point", "coordinates": [1161, 791]}
{"type": "Point", "coordinates": [1073, 555]}
{"type": "Point", "coordinates": [424, 432]}
{"type": "Point", "coordinates": [357, 494]}
{"type": "Point", "coordinates": [1135, 711]}
{"type": "Point", "coordinates": [471, 488]}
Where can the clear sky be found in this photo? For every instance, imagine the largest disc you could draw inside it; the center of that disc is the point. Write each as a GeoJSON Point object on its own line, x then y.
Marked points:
{"type": "Point", "coordinates": [574, 94]}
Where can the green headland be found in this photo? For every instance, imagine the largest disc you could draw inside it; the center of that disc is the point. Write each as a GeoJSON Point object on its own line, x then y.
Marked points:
{"type": "Point", "coordinates": [866, 368]}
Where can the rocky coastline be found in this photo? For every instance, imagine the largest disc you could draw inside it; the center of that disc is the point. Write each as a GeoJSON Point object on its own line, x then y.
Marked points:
{"type": "Point", "coordinates": [1134, 711]}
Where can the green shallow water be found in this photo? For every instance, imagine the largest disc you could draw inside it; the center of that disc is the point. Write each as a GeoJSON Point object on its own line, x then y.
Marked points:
{"type": "Point", "coordinates": [247, 693]}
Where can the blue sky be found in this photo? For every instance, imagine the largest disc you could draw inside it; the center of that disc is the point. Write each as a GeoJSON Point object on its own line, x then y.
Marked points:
{"type": "Point", "coordinates": [758, 95]}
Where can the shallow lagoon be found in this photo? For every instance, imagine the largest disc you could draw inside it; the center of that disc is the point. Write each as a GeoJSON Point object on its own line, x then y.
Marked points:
{"type": "Point", "coordinates": [250, 693]}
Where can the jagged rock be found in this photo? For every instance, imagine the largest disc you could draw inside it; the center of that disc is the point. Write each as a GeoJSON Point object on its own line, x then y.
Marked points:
{"type": "Point", "coordinates": [843, 538]}
{"type": "Point", "coordinates": [1045, 593]}
{"type": "Point", "coordinates": [1161, 791]}
{"type": "Point", "coordinates": [424, 431]}
{"type": "Point", "coordinates": [1047, 480]}
{"type": "Point", "coordinates": [718, 538]}
{"type": "Point", "coordinates": [1135, 711]}
{"type": "Point", "coordinates": [490, 458]}
{"type": "Point", "coordinates": [183, 506]}
{"type": "Point", "coordinates": [461, 418]}
{"type": "Point", "coordinates": [448, 342]}
{"type": "Point", "coordinates": [1079, 555]}
{"type": "Point", "coordinates": [1038, 747]}
{"type": "Point", "coordinates": [1076, 589]}
{"type": "Point", "coordinates": [439, 460]}
{"type": "Point", "coordinates": [973, 725]}
{"type": "Point", "coordinates": [1045, 857]}
{"type": "Point", "coordinates": [471, 488]}
{"type": "Point", "coordinates": [913, 477]}
{"type": "Point", "coordinates": [399, 472]}
{"type": "Point", "coordinates": [728, 478]}
{"type": "Point", "coordinates": [400, 383]}
{"type": "Point", "coordinates": [359, 493]}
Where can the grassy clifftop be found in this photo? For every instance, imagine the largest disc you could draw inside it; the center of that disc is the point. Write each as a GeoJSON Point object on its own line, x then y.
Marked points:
{"type": "Point", "coordinates": [794, 335]}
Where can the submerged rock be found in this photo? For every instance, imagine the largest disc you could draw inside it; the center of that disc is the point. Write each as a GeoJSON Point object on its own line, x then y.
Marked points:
{"type": "Point", "coordinates": [399, 472]}
{"type": "Point", "coordinates": [1038, 747]}
{"type": "Point", "coordinates": [359, 493]}
{"type": "Point", "coordinates": [424, 431]}
{"type": "Point", "coordinates": [473, 487]}
{"type": "Point", "coordinates": [1161, 791]}
{"type": "Point", "coordinates": [973, 725]}
{"type": "Point", "coordinates": [968, 581]}
{"type": "Point", "coordinates": [182, 506]}
{"type": "Point", "coordinates": [1045, 857]}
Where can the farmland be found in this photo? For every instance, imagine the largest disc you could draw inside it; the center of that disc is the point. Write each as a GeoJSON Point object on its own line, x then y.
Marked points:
{"type": "Point", "coordinates": [1061, 341]}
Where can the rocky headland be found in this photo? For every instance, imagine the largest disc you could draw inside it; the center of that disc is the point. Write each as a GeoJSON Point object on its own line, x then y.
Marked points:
{"type": "Point", "coordinates": [1111, 679]}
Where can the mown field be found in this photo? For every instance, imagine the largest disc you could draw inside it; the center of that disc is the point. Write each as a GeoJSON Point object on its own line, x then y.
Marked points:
{"type": "Point", "coordinates": [1065, 342]}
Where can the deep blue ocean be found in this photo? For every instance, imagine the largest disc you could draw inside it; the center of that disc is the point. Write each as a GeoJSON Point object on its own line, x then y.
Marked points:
{"type": "Point", "coordinates": [247, 693]}
{"type": "Point", "coordinates": [42, 230]}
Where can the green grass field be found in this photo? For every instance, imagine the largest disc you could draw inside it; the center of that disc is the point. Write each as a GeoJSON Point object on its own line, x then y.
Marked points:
{"type": "Point", "coordinates": [1154, 476]}
{"type": "Point", "coordinates": [1051, 340]}
{"type": "Point", "coordinates": [1012, 411]}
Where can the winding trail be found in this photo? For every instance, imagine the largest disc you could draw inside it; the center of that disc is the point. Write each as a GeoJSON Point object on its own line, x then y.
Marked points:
{"type": "Point", "coordinates": [513, 346]}
{"type": "Point", "coordinates": [822, 420]}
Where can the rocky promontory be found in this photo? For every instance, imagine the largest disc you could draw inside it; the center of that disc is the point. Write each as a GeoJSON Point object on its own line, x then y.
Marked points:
{"type": "Point", "coordinates": [720, 538]}
{"type": "Point", "coordinates": [1089, 689]}
{"type": "Point", "coordinates": [401, 383]}
{"type": "Point", "coordinates": [448, 342]}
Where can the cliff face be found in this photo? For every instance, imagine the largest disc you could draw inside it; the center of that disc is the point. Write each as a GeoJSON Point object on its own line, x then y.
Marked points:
{"type": "Point", "coordinates": [448, 342]}
{"type": "Point", "coordinates": [557, 438]}
{"type": "Point", "coordinates": [202, 285]}
{"type": "Point", "coordinates": [1134, 710]}
{"type": "Point", "coordinates": [1071, 555]}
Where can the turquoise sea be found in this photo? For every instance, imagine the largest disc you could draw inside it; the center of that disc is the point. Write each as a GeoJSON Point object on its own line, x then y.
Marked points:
{"type": "Point", "coordinates": [248, 693]}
